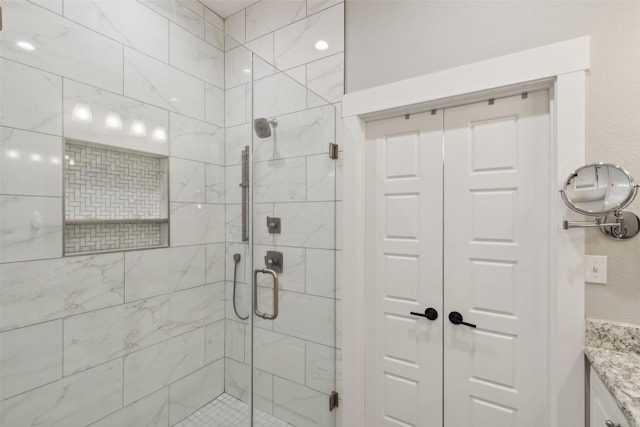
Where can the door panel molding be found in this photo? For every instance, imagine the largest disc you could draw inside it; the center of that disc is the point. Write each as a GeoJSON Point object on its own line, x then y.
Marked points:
{"type": "Point", "coordinates": [539, 68]}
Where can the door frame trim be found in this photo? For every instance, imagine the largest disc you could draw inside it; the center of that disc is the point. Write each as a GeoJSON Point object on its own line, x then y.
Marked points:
{"type": "Point", "coordinates": [562, 68]}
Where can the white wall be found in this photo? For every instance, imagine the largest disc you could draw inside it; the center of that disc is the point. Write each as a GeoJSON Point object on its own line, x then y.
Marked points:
{"type": "Point", "coordinates": [129, 338]}
{"type": "Point", "coordinates": [393, 40]}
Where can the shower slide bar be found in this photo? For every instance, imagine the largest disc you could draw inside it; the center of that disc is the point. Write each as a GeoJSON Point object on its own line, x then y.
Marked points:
{"type": "Point", "coordinates": [275, 293]}
{"type": "Point", "coordinates": [244, 184]}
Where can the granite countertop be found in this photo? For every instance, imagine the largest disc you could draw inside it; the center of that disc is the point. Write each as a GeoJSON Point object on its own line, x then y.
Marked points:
{"type": "Point", "coordinates": [614, 352]}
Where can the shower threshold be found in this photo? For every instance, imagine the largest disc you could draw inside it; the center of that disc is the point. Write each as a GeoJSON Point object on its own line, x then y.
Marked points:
{"type": "Point", "coordinates": [227, 411]}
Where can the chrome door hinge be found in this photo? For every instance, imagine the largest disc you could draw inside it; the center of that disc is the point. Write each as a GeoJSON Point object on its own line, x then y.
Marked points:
{"type": "Point", "coordinates": [333, 150]}
{"type": "Point", "coordinates": [334, 400]}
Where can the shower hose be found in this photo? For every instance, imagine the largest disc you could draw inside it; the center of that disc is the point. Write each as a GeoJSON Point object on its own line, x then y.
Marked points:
{"type": "Point", "coordinates": [236, 260]}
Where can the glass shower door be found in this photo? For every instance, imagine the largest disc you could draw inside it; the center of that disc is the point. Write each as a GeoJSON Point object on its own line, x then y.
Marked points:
{"type": "Point", "coordinates": [292, 338]}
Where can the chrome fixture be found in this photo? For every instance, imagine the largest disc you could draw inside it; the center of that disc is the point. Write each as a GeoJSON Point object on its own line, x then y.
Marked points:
{"type": "Point", "coordinates": [244, 184]}
{"type": "Point", "coordinates": [236, 261]}
{"type": "Point", "coordinates": [274, 261]}
{"type": "Point", "coordinates": [263, 126]}
{"type": "Point", "coordinates": [602, 190]}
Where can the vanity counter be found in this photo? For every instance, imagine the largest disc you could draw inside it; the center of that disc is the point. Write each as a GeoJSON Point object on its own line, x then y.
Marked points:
{"type": "Point", "coordinates": [620, 372]}
{"type": "Point", "coordinates": [614, 352]}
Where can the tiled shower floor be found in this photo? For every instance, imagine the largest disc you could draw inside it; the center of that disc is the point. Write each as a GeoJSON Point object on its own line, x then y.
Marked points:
{"type": "Point", "coordinates": [227, 411]}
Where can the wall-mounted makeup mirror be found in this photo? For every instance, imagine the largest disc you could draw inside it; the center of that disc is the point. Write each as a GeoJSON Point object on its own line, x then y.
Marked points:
{"type": "Point", "coordinates": [602, 190]}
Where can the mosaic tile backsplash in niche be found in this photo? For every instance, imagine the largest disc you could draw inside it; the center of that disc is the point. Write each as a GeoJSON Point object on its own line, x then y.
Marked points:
{"type": "Point", "coordinates": [111, 184]}
{"type": "Point", "coordinates": [105, 185]}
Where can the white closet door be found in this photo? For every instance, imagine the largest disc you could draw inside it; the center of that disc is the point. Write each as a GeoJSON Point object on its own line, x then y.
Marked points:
{"type": "Point", "coordinates": [404, 263]}
{"type": "Point", "coordinates": [496, 262]}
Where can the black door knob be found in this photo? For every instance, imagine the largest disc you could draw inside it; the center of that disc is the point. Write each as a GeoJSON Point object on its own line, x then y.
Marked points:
{"type": "Point", "coordinates": [456, 319]}
{"type": "Point", "coordinates": [430, 313]}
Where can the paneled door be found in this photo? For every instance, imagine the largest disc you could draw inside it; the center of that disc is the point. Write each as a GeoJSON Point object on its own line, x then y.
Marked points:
{"type": "Point", "coordinates": [481, 262]}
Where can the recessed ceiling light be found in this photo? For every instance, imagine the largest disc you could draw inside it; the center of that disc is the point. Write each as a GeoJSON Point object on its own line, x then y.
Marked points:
{"type": "Point", "coordinates": [113, 121]}
{"type": "Point", "coordinates": [159, 134]}
{"type": "Point", "coordinates": [36, 157]}
{"type": "Point", "coordinates": [82, 112]}
{"type": "Point", "coordinates": [138, 128]}
{"type": "Point", "coordinates": [322, 45]}
{"type": "Point", "coordinates": [13, 154]}
{"type": "Point", "coordinates": [247, 71]}
{"type": "Point", "coordinates": [22, 44]}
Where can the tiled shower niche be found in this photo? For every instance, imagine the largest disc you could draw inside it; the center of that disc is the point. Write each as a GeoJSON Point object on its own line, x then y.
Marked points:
{"type": "Point", "coordinates": [114, 199]}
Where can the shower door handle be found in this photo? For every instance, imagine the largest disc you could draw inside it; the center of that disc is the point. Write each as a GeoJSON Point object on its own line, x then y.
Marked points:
{"type": "Point", "coordinates": [275, 293]}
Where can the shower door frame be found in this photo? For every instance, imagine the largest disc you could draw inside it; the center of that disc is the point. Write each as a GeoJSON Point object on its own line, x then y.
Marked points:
{"type": "Point", "coordinates": [561, 67]}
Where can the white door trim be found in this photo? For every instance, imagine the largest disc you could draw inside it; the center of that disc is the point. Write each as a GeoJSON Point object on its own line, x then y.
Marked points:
{"type": "Point", "coordinates": [561, 67]}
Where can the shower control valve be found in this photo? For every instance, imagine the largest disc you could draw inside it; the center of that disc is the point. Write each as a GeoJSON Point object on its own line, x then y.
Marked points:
{"type": "Point", "coordinates": [273, 224]}
{"type": "Point", "coordinates": [274, 261]}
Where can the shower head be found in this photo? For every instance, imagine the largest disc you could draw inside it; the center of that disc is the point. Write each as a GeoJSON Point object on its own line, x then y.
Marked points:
{"type": "Point", "coordinates": [263, 126]}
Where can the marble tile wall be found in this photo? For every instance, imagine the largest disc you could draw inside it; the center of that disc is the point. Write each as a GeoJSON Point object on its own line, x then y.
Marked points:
{"type": "Point", "coordinates": [129, 338]}
{"type": "Point", "coordinates": [294, 179]}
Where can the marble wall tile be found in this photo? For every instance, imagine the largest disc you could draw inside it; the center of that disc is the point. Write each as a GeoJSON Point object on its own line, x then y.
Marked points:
{"type": "Point", "coordinates": [281, 180]}
{"type": "Point", "coordinates": [310, 224]}
{"type": "Point", "coordinates": [320, 272]}
{"type": "Point", "coordinates": [321, 178]}
{"type": "Point", "coordinates": [193, 224]}
{"type": "Point", "coordinates": [31, 99]}
{"type": "Point", "coordinates": [235, 27]}
{"type": "Point", "coordinates": [95, 337]}
{"type": "Point", "coordinates": [261, 68]}
{"type": "Point", "coordinates": [178, 13]}
{"type": "Point", "coordinates": [161, 364]}
{"type": "Point", "coordinates": [261, 235]}
{"type": "Point", "coordinates": [233, 223]}
{"type": "Point", "coordinates": [233, 178]}
{"type": "Point", "coordinates": [306, 316]}
{"type": "Point", "coordinates": [30, 228]}
{"type": "Point", "coordinates": [278, 94]}
{"type": "Point", "coordinates": [187, 182]}
{"type": "Point", "coordinates": [299, 74]}
{"type": "Point", "coordinates": [195, 56]}
{"type": "Point", "coordinates": [30, 357]}
{"type": "Point", "coordinates": [214, 104]}
{"type": "Point", "coordinates": [279, 354]}
{"type": "Point", "coordinates": [338, 234]}
{"type": "Point", "coordinates": [263, 47]}
{"type": "Point", "coordinates": [103, 104]}
{"type": "Point", "coordinates": [299, 405]}
{"type": "Point", "coordinates": [39, 291]}
{"type": "Point", "coordinates": [194, 6]}
{"type": "Point", "coordinates": [196, 140]}
{"type": "Point", "coordinates": [266, 16]}
{"type": "Point", "coordinates": [321, 367]}
{"type": "Point", "coordinates": [234, 340]}
{"type": "Point", "coordinates": [237, 105]}
{"type": "Point", "coordinates": [326, 77]}
{"type": "Point", "coordinates": [61, 46]}
{"type": "Point", "coordinates": [314, 6]}
{"type": "Point", "coordinates": [192, 392]}
{"type": "Point", "coordinates": [150, 411]}
{"type": "Point", "coordinates": [30, 163]}
{"type": "Point", "coordinates": [160, 271]}
{"type": "Point", "coordinates": [237, 377]}
{"type": "Point", "coordinates": [236, 138]}
{"type": "Point", "coordinates": [237, 66]}
{"type": "Point", "coordinates": [292, 43]}
{"type": "Point", "coordinates": [215, 263]}
{"type": "Point", "coordinates": [215, 184]}
{"type": "Point", "coordinates": [214, 36]}
{"type": "Point", "coordinates": [213, 18]}
{"type": "Point", "coordinates": [52, 5]}
{"type": "Point", "coordinates": [120, 21]}
{"type": "Point", "coordinates": [73, 401]}
{"type": "Point", "coordinates": [314, 126]}
{"type": "Point", "coordinates": [154, 82]}
{"type": "Point", "coordinates": [214, 335]}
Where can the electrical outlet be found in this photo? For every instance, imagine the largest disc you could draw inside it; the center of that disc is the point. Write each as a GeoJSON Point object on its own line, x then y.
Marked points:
{"type": "Point", "coordinates": [595, 269]}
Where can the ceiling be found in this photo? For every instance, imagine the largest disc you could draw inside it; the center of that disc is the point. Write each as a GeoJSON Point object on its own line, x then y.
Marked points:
{"type": "Point", "coordinates": [226, 8]}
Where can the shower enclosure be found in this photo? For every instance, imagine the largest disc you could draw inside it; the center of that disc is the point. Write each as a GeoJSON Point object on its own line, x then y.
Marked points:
{"type": "Point", "coordinates": [231, 319]}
